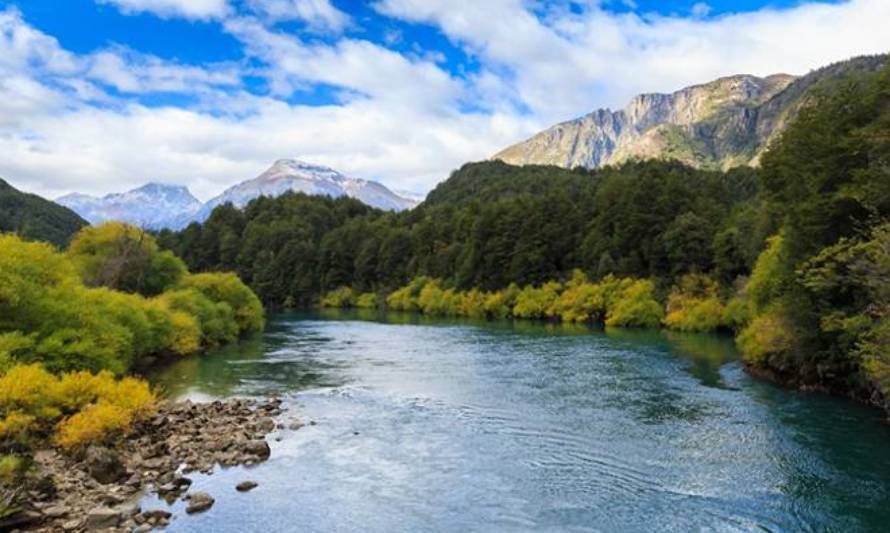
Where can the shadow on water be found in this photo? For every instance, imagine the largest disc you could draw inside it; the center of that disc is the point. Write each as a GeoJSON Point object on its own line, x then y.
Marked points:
{"type": "Point", "coordinates": [247, 368]}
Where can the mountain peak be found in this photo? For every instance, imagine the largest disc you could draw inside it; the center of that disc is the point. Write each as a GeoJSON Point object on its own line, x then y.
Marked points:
{"type": "Point", "coordinates": [153, 205]}
{"type": "Point", "coordinates": [720, 124]}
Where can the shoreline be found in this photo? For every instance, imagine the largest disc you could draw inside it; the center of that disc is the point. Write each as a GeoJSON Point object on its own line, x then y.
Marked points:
{"type": "Point", "coordinates": [102, 486]}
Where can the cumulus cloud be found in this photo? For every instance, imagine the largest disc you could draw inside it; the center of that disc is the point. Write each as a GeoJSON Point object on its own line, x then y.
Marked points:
{"type": "Point", "coordinates": [571, 61]}
{"type": "Point", "coordinates": [190, 9]}
{"type": "Point", "coordinates": [79, 122]}
{"type": "Point", "coordinates": [319, 15]}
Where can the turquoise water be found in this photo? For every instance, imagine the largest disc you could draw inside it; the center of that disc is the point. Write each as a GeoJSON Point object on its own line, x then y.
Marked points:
{"type": "Point", "coordinates": [425, 425]}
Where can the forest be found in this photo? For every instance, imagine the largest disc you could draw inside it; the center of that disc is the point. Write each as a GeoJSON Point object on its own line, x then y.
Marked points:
{"type": "Point", "coordinates": [793, 256]}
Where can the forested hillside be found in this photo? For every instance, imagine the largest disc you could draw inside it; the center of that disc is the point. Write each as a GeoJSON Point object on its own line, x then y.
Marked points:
{"type": "Point", "coordinates": [490, 224]}
{"type": "Point", "coordinates": [33, 217]}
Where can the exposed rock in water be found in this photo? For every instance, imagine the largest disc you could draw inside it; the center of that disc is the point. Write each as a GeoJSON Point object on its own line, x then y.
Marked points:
{"type": "Point", "coordinates": [245, 486]}
{"type": "Point", "coordinates": [100, 488]}
{"type": "Point", "coordinates": [199, 502]}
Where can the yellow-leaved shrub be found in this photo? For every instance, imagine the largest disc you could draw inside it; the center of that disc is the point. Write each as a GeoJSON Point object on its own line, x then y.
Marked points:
{"type": "Point", "coordinates": [81, 406]}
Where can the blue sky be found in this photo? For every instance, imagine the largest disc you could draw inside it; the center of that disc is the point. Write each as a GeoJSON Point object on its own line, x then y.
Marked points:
{"type": "Point", "coordinates": [102, 95]}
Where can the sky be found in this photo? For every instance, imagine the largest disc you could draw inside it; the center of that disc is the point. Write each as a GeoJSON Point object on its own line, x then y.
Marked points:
{"type": "Point", "coordinates": [100, 96]}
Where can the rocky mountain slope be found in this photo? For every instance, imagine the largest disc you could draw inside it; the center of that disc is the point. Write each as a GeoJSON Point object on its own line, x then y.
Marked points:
{"type": "Point", "coordinates": [152, 206]}
{"type": "Point", "coordinates": [33, 217]}
{"type": "Point", "coordinates": [725, 123]}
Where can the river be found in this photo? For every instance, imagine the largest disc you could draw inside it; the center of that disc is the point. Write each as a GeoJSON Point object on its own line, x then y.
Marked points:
{"type": "Point", "coordinates": [437, 425]}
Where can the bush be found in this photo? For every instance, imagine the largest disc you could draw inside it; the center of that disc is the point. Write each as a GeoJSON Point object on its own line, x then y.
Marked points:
{"type": "Point", "coordinates": [581, 301]}
{"type": "Point", "coordinates": [338, 298]}
{"type": "Point", "coordinates": [49, 316]}
{"type": "Point", "coordinates": [82, 406]}
{"type": "Point", "coordinates": [636, 307]}
{"type": "Point", "coordinates": [768, 334]}
{"type": "Point", "coordinates": [499, 304]}
{"type": "Point", "coordinates": [472, 304]}
{"type": "Point", "coordinates": [125, 258]}
{"type": "Point", "coordinates": [227, 288]}
{"type": "Point", "coordinates": [367, 300]}
{"type": "Point", "coordinates": [214, 321]}
{"type": "Point", "coordinates": [537, 302]}
{"type": "Point", "coordinates": [694, 305]}
{"type": "Point", "coordinates": [405, 298]}
{"type": "Point", "coordinates": [99, 422]}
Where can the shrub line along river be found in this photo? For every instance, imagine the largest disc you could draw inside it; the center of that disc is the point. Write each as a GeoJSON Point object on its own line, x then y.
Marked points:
{"type": "Point", "coordinates": [437, 425]}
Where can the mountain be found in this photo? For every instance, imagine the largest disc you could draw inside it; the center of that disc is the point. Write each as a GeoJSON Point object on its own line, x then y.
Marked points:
{"type": "Point", "coordinates": [718, 125]}
{"type": "Point", "coordinates": [36, 218]}
{"type": "Point", "coordinates": [152, 206]}
{"type": "Point", "coordinates": [297, 176]}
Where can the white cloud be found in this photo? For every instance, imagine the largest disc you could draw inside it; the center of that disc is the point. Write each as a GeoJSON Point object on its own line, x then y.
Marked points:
{"type": "Point", "coordinates": [575, 62]}
{"type": "Point", "coordinates": [190, 9]}
{"type": "Point", "coordinates": [319, 15]}
{"type": "Point", "coordinates": [700, 10]}
{"type": "Point", "coordinates": [401, 117]}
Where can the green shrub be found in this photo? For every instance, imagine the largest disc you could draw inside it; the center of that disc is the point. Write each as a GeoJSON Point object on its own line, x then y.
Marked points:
{"type": "Point", "coordinates": [694, 305]}
{"type": "Point", "coordinates": [338, 298]}
{"type": "Point", "coordinates": [367, 300]}
{"type": "Point", "coordinates": [636, 307]}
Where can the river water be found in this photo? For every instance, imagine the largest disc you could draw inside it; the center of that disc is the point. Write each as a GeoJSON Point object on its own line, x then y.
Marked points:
{"type": "Point", "coordinates": [427, 425]}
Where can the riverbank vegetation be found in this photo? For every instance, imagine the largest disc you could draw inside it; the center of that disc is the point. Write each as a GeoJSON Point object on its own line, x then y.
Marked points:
{"type": "Point", "coordinates": [791, 256]}
{"type": "Point", "coordinates": [74, 323]}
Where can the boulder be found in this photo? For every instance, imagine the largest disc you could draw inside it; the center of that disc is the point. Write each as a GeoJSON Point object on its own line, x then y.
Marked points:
{"type": "Point", "coordinates": [102, 517]}
{"type": "Point", "coordinates": [199, 502]}
{"type": "Point", "coordinates": [245, 486]}
{"type": "Point", "coordinates": [259, 448]}
{"type": "Point", "coordinates": [104, 464]}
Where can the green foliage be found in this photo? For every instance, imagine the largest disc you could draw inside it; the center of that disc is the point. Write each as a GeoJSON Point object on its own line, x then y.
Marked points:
{"type": "Point", "coordinates": [694, 305]}
{"type": "Point", "coordinates": [34, 218]}
{"type": "Point", "coordinates": [341, 297]}
{"type": "Point", "coordinates": [48, 315]}
{"type": "Point", "coordinates": [124, 258]}
{"type": "Point", "coordinates": [537, 302]}
{"type": "Point", "coordinates": [769, 334]}
{"type": "Point", "coordinates": [636, 306]}
{"type": "Point", "coordinates": [227, 288]}
{"type": "Point", "coordinates": [368, 300]}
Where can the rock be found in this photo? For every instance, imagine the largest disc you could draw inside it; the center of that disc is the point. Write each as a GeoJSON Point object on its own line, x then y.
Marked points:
{"type": "Point", "coordinates": [55, 511]}
{"type": "Point", "coordinates": [259, 448]}
{"type": "Point", "coordinates": [199, 502]}
{"type": "Point", "coordinates": [295, 425]}
{"type": "Point", "coordinates": [102, 517]}
{"type": "Point", "coordinates": [104, 464]}
{"type": "Point", "coordinates": [71, 525]}
{"type": "Point", "coordinates": [144, 528]}
{"type": "Point", "coordinates": [153, 514]}
{"type": "Point", "coordinates": [266, 425]}
{"type": "Point", "coordinates": [245, 486]}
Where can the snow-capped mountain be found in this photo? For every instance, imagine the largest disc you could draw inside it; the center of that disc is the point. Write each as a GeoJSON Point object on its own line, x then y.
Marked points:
{"type": "Point", "coordinates": [152, 206]}
{"type": "Point", "coordinates": [159, 206]}
{"type": "Point", "coordinates": [298, 176]}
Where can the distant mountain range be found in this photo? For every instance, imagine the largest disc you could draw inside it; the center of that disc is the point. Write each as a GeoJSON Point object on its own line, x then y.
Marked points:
{"type": "Point", "coordinates": [718, 125]}
{"type": "Point", "coordinates": [158, 206]}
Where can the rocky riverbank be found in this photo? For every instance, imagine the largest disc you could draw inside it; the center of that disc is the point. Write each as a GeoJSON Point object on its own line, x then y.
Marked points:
{"type": "Point", "coordinates": [100, 489]}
